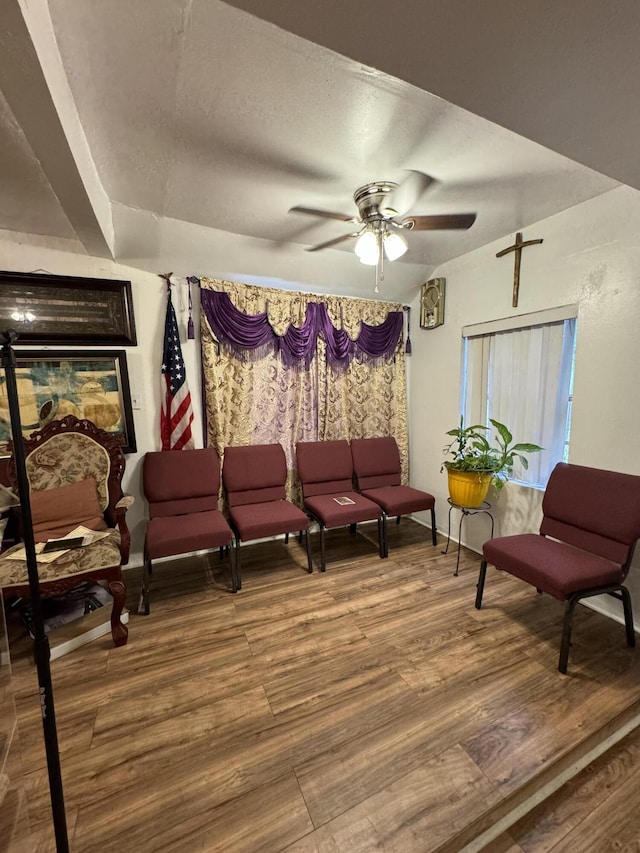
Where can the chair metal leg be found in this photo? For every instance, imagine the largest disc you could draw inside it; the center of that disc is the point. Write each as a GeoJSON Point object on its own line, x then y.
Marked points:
{"type": "Point", "coordinates": [621, 593]}
{"type": "Point", "coordinates": [286, 538]}
{"type": "Point", "coordinates": [628, 616]}
{"type": "Point", "coordinates": [565, 644]}
{"type": "Point", "coordinates": [480, 584]}
{"type": "Point", "coordinates": [382, 536]}
{"type": "Point", "coordinates": [398, 517]}
{"type": "Point", "coordinates": [434, 537]}
{"type": "Point", "coordinates": [309, 560]}
{"type": "Point", "coordinates": [384, 541]}
{"type": "Point", "coordinates": [237, 562]}
{"type": "Point", "coordinates": [143, 605]}
{"type": "Point", "coordinates": [322, 563]}
{"type": "Point", "coordinates": [352, 529]}
{"type": "Point", "coordinates": [234, 567]}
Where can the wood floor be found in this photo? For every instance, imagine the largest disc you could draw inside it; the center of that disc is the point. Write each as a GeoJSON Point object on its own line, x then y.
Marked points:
{"type": "Point", "coordinates": [367, 708]}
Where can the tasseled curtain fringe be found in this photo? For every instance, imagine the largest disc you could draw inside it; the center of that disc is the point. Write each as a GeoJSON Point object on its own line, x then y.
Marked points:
{"type": "Point", "coordinates": [250, 337]}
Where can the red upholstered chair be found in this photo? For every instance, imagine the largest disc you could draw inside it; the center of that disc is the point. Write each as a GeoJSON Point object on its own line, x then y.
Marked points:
{"type": "Point", "coordinates": [325, 469]}
{"type": "Point", "coordinates": [181, 487]}
{"type": "Point", "coordinates": [254, 478]}
{"type": "Point", "coordinates": [376, 462]}
{"type": "Point", "coordinates": [590, 525]}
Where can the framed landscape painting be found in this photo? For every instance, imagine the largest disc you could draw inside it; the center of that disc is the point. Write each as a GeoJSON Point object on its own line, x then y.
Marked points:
{"type": "Point", "coordinates": [55, 383]}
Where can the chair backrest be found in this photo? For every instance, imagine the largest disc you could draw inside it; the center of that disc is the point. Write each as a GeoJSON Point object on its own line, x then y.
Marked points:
{"type": "Point", "coordinates": [592, 509]}
{"type": "Point", "coordinates": [376, 462]}
{"type": "Point", "coordinates": [324, 467]}
{"type": "Point", "coordinates": [177, 482]}
{"type": "Point", "coordinates": [70, 450]}
{"type": "Point", "coordinates": [255, 473]}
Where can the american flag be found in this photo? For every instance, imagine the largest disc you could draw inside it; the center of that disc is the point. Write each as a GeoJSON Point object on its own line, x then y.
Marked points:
{"type": "Point", "coordinates": [176, 414]}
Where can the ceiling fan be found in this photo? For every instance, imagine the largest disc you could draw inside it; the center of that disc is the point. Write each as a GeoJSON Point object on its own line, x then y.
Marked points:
{"type": "Point", "coordinates": [382, 217]}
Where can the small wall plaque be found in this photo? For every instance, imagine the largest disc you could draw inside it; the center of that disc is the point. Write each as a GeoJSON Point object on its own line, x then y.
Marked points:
{"type": "Point", "coordinates": [432, 303]}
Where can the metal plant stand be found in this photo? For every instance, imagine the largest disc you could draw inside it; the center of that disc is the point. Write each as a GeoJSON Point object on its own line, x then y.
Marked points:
{"type": "Point", "coordinates": [483, 509]}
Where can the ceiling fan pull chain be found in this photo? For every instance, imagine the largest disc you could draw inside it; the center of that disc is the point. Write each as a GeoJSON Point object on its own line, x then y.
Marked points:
{"type": "Point", "coordinates": [380, 264]}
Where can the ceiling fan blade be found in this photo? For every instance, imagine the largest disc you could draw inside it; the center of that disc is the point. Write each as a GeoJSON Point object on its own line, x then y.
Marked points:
{"type": "Point", "coordinates": [333, 242]}
{"type": "Point", "coordinates": [439, 222]}
{"type": "Point", "coordinates": [406, 194]}
{"type": "Point", "coordinates": [327, 214]}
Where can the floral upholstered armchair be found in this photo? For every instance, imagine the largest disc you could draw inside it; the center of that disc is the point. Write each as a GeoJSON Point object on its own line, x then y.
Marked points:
{"type": "Point", "coordinates": [75, 476]}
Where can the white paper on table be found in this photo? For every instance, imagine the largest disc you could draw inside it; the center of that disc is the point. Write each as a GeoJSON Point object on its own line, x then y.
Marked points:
{"type": "Point", "coordinates": [88, 536]}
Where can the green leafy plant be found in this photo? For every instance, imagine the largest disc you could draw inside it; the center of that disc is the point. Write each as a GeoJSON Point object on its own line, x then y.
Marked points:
{"type": "Point", "coordinates": [471, 450]}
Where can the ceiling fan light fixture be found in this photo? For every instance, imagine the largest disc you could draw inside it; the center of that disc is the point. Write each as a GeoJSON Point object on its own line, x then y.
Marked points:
{"type": "Point", "coordinates": [394, 245]}
{"type": "Point", "coordinates": [366, 248]}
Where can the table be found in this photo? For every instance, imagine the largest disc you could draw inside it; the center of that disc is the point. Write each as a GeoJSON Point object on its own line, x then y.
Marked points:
{"type": "Point", "coordinates": [483, 509]}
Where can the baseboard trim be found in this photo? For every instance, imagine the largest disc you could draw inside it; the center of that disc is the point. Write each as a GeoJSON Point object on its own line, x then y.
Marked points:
{"type": "Point", "coordinates": [80, 631]}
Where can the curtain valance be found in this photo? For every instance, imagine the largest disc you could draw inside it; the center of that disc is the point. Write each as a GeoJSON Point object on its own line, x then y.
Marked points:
{"type": "Point", "coordinates": [250, 336]}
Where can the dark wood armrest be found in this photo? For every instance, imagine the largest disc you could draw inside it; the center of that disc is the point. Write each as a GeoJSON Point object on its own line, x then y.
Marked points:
{"type": "Point", "coordinates": [125, 536]}
{"type": "Point", "coordinates": [116, 517]}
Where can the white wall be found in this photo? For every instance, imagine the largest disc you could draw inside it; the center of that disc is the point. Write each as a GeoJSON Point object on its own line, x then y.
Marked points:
{"type": "Point", "coordinates": [143, 361]}
{"type": "Point", "coordinates": [590, 256]}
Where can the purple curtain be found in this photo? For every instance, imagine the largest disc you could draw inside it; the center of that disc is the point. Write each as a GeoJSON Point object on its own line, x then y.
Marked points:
{"type": "Point", "coordinates": [252, 336]}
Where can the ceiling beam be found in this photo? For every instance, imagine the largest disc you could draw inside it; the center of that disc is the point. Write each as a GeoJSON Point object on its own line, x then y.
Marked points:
{"type": "Point", "coordinates": [37, 92]}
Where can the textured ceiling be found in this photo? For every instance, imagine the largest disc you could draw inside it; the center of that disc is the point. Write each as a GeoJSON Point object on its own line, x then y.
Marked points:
{"type": "Point", "coordinates": [203, 125]}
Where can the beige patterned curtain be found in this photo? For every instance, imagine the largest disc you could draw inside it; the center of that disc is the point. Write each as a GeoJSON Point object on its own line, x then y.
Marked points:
{"type": "Point", "coordinates": [263, 401]}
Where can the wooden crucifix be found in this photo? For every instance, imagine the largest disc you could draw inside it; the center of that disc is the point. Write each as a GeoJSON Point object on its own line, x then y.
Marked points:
{"type": "Point", "coordinates": [517, 247]}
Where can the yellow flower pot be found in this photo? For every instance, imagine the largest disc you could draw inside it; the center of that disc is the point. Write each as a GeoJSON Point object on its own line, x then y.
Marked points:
{"type": "Point", "coordinates": [468, 488]}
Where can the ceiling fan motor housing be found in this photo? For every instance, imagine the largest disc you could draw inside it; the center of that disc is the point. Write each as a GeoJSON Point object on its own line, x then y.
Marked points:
{"type": "Point", "coordinates": [370, 201]}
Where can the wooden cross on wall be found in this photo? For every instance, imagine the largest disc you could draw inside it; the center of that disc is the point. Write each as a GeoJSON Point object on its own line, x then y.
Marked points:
{"type": "Point", "coordinates": [517, 247]}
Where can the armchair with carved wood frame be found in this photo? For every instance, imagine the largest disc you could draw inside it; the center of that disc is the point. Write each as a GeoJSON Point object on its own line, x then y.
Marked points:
{"type": "Point", "coordinates": [69, 455]}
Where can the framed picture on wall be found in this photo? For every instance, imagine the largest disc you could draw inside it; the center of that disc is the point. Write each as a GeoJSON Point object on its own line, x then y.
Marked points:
{"type": "Point", "coordinates": [57, 309]}
{"type": "Point", "coordinates": [55, 383]}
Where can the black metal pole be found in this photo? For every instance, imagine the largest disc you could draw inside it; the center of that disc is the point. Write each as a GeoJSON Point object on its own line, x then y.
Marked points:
{"type": "Point", "coordinates": [41, 641]}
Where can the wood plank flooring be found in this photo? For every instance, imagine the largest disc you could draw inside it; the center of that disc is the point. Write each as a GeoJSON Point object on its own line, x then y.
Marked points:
{"type": "Point", "coordinates": [367, 708]}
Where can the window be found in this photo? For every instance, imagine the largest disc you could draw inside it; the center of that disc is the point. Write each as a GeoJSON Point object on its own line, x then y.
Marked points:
{"type": "Point", "coordinates": [519, 371]}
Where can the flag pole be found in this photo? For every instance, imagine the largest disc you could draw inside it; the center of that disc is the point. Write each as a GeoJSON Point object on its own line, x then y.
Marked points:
{"type": "Point", "coordinates": [176, 411]}
{"type": "Point", "coordinates": [41, 641]}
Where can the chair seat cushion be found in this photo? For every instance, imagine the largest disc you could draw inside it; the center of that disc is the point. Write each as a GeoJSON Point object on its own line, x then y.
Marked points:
{"type": "Point", "coordinates": [553, 567]}
{"type": "Point", "coordinates": [254, 521]}
{"type": "Point", "coordinates": [333, 514]}
{"type": "Point", "coordinates": [99, 555]}
{"type": "Point", "coordinates": [400, 500]}
{"type": "Point", "coordinates": [180, 534]}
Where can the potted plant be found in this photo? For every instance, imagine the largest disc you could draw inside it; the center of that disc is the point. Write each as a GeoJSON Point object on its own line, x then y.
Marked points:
{"type": "Point", "coordinates": [477, 464]}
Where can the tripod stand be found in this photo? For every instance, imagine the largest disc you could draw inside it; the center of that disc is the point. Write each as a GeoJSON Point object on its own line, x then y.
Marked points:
{"type": "Point", "coordinates": [41, 642]}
